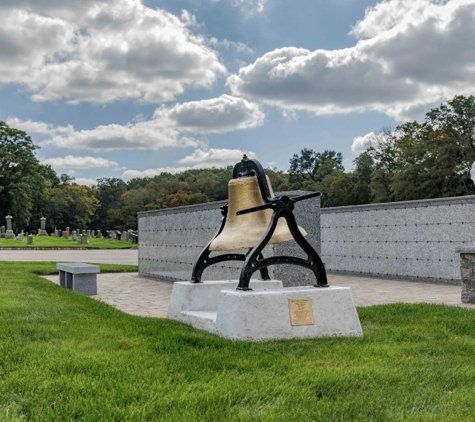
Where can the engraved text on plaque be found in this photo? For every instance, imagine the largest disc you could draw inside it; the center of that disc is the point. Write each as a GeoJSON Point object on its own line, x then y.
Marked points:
{"type": "Point", "coordinates": [301, 312]}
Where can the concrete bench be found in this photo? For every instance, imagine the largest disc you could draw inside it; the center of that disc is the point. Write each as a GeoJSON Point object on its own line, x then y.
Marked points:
{"type": "Point", "coordinates": [78, 276]}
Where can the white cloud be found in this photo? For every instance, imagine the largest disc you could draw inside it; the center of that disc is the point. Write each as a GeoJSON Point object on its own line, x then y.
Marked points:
{"type": "Point", "coordinates": [106, 51]}
{"type": "Point", "coordinates": [199, 159]}
{"type": "Point", "coordinates": [215, 157]}
{"type": "Point", "coordinates": [170, 127]}
{"type": "Point", "coordinates": [40, 128]}
{"type": "Point", "coordinates": [216, 115]}
{"type": "Point", "coordinates": [362, 143]}
{"type": "Point", "coordinates": [71, 161]}
{"type": "Point", "coordinates": [411, 55]}
{"type": "Point", "coordinates": [248, 7]}
{"type": "Point", "coordinates": [231, 45]}
{"type": "Point", "coordinates": [290, 115]}
{"type": "Point", "coordinates": [85, 181]}
{"type": "Point", "coordinates": [70, 9]}
{"type": "Point", "coordinates": [387, 15]}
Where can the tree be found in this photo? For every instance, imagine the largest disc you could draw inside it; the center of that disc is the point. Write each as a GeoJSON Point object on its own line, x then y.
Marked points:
{"type": "Point", "coordinates": [313, 166]}
{"type": "Point", "coordinates": [384, 155]}
{"type": "Point", "coordinates": [336, 189]}
{"type": "Point", "coordinates": [109, 193]}
{"type": "Point", "coordinates": [20, 175]}
{"type": "Point", "coordinates": [41, 194]}
{"type": "Point", "coordinates": [360, 192]}
{"type": "Point", "coordinates": [70, 205]}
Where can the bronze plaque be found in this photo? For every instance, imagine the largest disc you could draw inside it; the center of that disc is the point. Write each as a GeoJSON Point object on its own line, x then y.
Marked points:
{"type": "Point", "coordinates": [301, 312]}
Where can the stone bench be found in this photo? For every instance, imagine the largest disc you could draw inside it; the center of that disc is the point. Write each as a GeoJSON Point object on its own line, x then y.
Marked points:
{"type": "Point", "coordinates": [78, 276]}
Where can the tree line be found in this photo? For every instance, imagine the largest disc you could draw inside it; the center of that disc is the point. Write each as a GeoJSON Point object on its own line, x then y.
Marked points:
{"type": "Point", "coordinates": [424, 160]}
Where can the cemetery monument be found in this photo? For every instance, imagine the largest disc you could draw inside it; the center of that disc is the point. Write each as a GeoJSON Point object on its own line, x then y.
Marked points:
{"type": "Point", "coordinates": [259, 310]}
{"type": "Point", "coordinates": [9, 233]}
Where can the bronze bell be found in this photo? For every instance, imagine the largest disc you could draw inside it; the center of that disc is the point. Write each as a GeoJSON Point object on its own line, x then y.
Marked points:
{"type": "Point", "coordinates": [245, 231]}
{"type": "Point", "coordinates": [252, 219]}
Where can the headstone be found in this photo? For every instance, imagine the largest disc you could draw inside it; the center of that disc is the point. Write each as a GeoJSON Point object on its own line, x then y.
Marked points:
{"type": "Point", "coordinates": [84, 239]}
{"type": "Point", "coordinates": [78, 232]}
{"type": "Point", "coordinates": [60, 233]}
{"type": "Point", "coordinates": [84, 232]}
{"type": "Point", "coordinates": [99, 234]}
{"type": "Point", "coordinates": [74, 236]}
{"type": "Point", "coordinates": [88, 232]}
{"type": "Point", "coordinates": [56, 232]}
{"type": "Point", "coordinates": [9, 233]}
{"type": "Point", "coordinates": [93, 233]}
{"type": "Point", "coordinates": [29, 240]}
{"type": "Point", "coordinates": [107, 234]}
{"type": "Point", "coordinates": [125, 236]}
{"type": "Point", "coordinates": [42, 230]}
{"type": "Point", "coordinates": [19, 237]}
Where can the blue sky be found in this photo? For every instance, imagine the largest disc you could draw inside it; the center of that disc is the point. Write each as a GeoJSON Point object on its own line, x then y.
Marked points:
{"type": "Point", "coordinates": [130, 88]}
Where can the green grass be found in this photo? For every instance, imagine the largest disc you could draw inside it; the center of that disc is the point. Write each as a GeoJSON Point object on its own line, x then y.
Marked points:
{"type": "Point", "coordinates": [64, 356]}
{"type": "Point", "coordinates": [59, 242]}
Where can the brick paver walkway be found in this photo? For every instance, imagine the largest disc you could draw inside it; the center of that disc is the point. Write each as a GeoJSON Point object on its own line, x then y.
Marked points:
{"type": "Point", "coordinates": [146, 297]}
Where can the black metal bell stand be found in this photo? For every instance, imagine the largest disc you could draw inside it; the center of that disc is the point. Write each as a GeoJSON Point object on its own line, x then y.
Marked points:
{"type": "Point", "coordinates": [283, 207]}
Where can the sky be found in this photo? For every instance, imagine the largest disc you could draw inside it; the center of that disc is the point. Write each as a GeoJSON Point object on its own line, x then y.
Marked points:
{"type": "Point", "coordinates": [133, 88]}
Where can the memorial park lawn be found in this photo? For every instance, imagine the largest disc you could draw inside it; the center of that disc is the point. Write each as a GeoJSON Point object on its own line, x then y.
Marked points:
{"type": "Point", "coordinates": [65, 356]}
{"type": "Point", "coordinates": [59, 242]}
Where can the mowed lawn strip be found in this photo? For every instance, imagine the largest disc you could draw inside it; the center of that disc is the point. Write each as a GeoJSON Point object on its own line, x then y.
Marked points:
{"type": "Point", "coordinates": [65, 356]}
{"type": "Point", "coordinates": [59, 242]}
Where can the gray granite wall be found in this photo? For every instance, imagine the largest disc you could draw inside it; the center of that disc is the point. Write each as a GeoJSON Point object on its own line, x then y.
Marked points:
{"type": "Point", "coordinates": [412, 240]}
{"type": "Point", "coordinates": [170, 240]}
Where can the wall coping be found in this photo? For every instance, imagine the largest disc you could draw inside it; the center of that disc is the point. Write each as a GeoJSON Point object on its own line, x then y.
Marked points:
{"type": "Point", "coordinates": [465, 249]}
{"type": "Point", "coordinates": [208, 205]}
{"type": "Point", "coordinates": [469, 199]}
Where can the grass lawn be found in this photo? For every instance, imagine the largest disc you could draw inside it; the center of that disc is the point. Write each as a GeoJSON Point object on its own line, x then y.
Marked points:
{"type": "Point", "coordinates": [59, 242]}
{"type": "Point", "coordinates": [64, 356]}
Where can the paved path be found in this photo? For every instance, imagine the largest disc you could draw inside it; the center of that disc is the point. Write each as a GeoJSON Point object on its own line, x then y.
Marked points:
{"type": "Point", "coordinates": [141, 296]}
{"type": "Point", "coordinates": [101, 256]}
{"type": "Point", "coordinates": [146, 297]}
{"type": "Point", "coordinates": [131, 293]}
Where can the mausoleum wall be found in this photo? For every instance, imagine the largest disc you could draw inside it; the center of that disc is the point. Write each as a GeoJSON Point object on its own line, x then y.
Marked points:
{"type": "Point", "coordinates": [411, 240]}
{"type": "Point", "coordinates": [171, 239]}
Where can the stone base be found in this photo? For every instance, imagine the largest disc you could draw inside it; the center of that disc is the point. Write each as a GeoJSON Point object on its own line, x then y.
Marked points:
{"type": "Point", "coordinates": [9, 234]}
{"type": "Point", "coordinates": [265, 313]}
{"type": "Point", "coordinates": [42, 232]}
{"type": "Point", "coordinates": [467, 273]}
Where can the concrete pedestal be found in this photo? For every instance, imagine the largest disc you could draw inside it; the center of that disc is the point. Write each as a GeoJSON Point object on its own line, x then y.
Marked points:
{"type": "Point", "coordinates": [268, 312]}
{"type": "Point", "coordinates": [467, 273]}
{"type": "Point", "coordinates": [9, 234]}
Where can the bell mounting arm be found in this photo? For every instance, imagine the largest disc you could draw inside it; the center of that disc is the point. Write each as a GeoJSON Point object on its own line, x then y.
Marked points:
{"type": "Point", "coordinates": [283, 207]}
